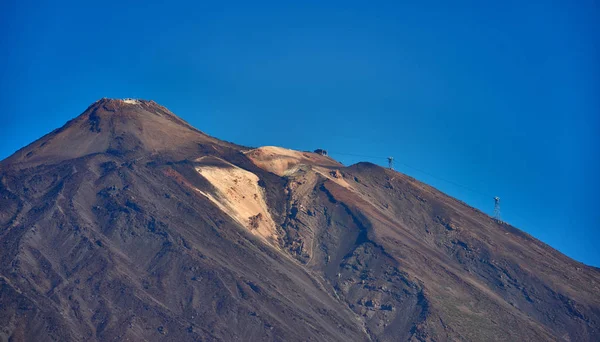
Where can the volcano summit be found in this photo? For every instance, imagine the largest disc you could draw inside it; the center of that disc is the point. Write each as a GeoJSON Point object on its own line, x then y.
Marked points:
{"type": "Point", "coordinates": [129, 224]}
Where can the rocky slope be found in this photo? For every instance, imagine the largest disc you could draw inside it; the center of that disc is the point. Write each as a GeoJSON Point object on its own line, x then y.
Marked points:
{"type": "Point", "coordinates": [129, 224]}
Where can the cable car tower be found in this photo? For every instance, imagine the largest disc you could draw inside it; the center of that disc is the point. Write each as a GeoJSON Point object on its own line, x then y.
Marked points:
{"type": "Point", "coordinates": [390, 163]}
{"type": "Point", "coordinates": [497, 209]}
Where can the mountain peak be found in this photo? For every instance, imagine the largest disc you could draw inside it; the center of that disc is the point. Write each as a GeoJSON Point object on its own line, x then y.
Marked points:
{"type": "Point", "coordinates": [113, 104]}
{"type": "Point", "coordinates": [116, 126]}
{"type": "Point", "coordinates": [126, 101]}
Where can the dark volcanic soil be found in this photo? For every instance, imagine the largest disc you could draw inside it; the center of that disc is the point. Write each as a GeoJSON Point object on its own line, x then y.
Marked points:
{"type": "Point", "coordinates": [129, 224]}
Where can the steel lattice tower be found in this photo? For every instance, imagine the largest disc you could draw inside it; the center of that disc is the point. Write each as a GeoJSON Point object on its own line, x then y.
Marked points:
{"type": "Point", "coordinates": [497, 208]}
{"type": "Point", "coordinates": [391, 163]}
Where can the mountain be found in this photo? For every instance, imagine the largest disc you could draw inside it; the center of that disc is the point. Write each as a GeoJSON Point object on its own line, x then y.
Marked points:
{"type": "Point", "coordinates": [128, 224]}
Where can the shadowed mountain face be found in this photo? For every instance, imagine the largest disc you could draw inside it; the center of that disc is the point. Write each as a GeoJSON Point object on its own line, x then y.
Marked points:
{"type": "Point", "coordinates": [129, 224]}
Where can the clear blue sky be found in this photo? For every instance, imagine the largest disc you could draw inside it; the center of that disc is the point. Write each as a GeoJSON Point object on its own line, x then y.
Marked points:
{"type": "Point", "coordinates": [502, 97]}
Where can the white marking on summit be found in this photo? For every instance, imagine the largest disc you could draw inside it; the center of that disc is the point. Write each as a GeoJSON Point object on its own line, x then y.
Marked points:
{"type": "Point", "coordinates": [131, 101]}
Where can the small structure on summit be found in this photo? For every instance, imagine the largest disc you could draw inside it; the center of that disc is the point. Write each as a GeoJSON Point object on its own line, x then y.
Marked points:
{"type": "Point", "coordinates": [131, 101]}
{"type": "Point", "coordinates": [391, 163]}
{"type": "Point", "coordinates": [321, 151]}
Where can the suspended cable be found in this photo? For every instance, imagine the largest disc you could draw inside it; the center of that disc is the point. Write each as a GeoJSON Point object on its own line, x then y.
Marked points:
{"type": "Point", "coordinates": [416, 169]}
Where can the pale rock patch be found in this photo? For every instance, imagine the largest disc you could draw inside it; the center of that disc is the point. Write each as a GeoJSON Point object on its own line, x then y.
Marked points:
{"type": "Point", "coordinates": [285, 162]}
{"type": "Point", "coordinates": [278, 160]}
{"type": "Point", "coordinates": [240, 196]}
